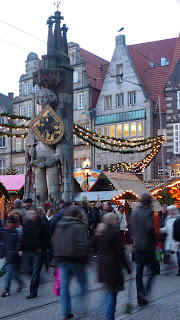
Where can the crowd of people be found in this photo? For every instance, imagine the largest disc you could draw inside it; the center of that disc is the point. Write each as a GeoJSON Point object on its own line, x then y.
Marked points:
{"type": "Point", "coordinates": [69, 237]}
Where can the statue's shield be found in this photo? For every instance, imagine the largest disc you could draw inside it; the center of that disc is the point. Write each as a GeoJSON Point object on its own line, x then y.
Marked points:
{"type": "Point", "coordinates": [48, 126]}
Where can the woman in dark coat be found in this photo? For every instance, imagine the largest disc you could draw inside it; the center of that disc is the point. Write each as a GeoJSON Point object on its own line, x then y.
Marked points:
{"type": "Point", "coordinates": [111, 259]}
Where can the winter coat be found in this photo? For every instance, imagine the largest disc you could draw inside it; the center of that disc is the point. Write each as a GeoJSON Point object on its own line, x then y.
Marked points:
{"type": "Point", "coordinates": [122, 220]}
{"type": "Point", "coordinates": [170, 243]}
{"type": "Point", "coordinates": [111, 258]}
{"type": "Point", "coordinates": [56, 217]}
{"type": "Point", "coordinates": [142, 228]}
{"type": "Point", "coordinates": [95, 214]}
{"type": "Point", "coordinates": [11, 246]}
{"type": "Point", "coordinates": [70, 240]}
{"type": "Point", "coordinates": [36, 235]}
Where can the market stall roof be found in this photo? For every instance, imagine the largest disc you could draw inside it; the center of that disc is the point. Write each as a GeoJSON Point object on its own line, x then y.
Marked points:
{"type": "Point", "coordinates": [97, 195]}
{"type": "Point", "coordinates": [13, 182]}
{"type": "Point", "coordinates": [121, 181]}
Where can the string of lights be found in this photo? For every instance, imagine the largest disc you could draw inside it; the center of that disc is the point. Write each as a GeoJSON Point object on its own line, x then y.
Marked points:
{"type": "Point", "coordinates": [136, 167]}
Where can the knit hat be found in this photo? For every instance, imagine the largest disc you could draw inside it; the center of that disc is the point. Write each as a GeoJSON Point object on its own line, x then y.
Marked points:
{"type": "Point", "coordinates": [28, 200]}
{"type": "Point", "coordinates": [172, 207]}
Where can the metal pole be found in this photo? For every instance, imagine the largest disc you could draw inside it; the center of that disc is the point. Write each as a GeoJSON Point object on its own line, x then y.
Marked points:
{"type": "Point", "coordinates": [163, 163]}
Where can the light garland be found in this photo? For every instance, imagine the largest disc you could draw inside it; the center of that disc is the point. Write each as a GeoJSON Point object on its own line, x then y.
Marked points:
{"type": "Point", "coordinates": [136, 167]}
{"type": "Point", "coordinates": [118, 145]}
{"type": "Point", "coordinates": [14, 117]}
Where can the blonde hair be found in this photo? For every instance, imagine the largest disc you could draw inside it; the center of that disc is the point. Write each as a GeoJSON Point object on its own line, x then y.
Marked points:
{"type": "Point", "coordinates": [108, 218]}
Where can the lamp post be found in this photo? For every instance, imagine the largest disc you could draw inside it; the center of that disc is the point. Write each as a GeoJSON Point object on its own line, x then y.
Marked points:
{"type": "Point", "coordinates": [87, 175]}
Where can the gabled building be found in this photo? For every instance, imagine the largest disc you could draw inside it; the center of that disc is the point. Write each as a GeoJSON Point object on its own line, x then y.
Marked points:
{"type": "Point", "coordinates": [172, 95]}
{"type": "Point", "coordinates": [88, 77]}
{"type": "Point", "coordinates": [128, 103]}
{"type": "Point", "coordinates": [6, 106]}
{"type": "Point", "coordinates": [25, 105]}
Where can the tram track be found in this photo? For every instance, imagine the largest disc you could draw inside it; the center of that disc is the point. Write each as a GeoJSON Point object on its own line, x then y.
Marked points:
{"type": "Point", "coordinates": [135, 310]}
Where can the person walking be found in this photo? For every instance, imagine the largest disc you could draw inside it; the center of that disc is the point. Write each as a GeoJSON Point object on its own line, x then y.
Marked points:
{"type": "Point", "coordinates": [70, 249]}
{"type": "Point", "coordinates": [11, 245]}
{"type": "Point", "coordinates": [171, 245]}
{"type": "Point", "coordinates": [163, 215]}
{"type": "Point", "coordinates": [143, 233]}
{"type": "Point", "coordinates": [111, 259]}
{"type": "Point", "coordinates": [95, 216]}
{"type": "Point", "coordinates": [36, 237]}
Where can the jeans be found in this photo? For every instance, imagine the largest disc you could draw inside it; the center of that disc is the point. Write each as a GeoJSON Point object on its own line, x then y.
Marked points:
{"type": "Point", "coordinates": [143, 258]}
{"type": "Point", "coordinates": [32, 262]}
{"type": "Point", "coordinates": [68, 270]}
{"type": "Point", "coordinates": [111, 305]}
{"type": "Point", "coordinates": [12, 270]}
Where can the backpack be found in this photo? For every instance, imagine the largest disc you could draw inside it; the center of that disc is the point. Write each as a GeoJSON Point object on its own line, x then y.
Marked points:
{"type": "Point", "coordinates": [176, 229]}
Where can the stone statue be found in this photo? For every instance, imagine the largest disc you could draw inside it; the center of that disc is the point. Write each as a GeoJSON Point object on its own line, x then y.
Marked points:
{"type": "Point", "coordinates": [43, 176]}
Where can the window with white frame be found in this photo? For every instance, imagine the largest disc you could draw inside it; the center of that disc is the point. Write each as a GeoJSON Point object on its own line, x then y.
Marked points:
{"type": "Point", "coordinates": [176, 138]}
{"type": "Point", "coordinates": [75, 139]}
{"type": "Point", "coordinates": [178, 100]}
{"type": "Point", "coordinates": [108, 102]}
{"type": "Point", "coordinates": [75, 164]}
{"type": "Point", "coordinates": [98, 130]}
{"type": "Point", "coordinates": [22, 111]}
{"type": "Point", "coordinates": [164, 134]}
{"type": "Point", "coordinates": [26, 89]}
{"type": "Point", "coordinates": [140, 128]}
{"type": "Point", "coordinates": [120, 100]}
{"type": "Point", "coordinates": [35, 88]}
{"type": "Point", "coordinates": [131, 98]}
{"type": "Point", "coordinates": [119, 73]}
{"type": "Point", "coordinates": [75, 77]}
{"type": "Point", "coordinates": [2, 166]}
{"type": "Point", "coordinates": [81, 101]}
{"type": "Point", "coordinates": [18, 144]}
{"type": "Point", "coordinates": [2, 142]}
{"type": "Point", "coordinates": [29, 111]}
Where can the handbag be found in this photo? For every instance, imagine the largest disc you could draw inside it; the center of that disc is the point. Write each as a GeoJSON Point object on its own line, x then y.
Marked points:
{"type": "Point", "coordinates": [57, 282]}
{"type": "Point", "coordinates": [159, 251]}
{"type": "Point", "coordinates": [2, 267]}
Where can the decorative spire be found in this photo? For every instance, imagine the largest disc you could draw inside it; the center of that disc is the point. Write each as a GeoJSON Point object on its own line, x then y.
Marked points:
{"type": "Point", "coordinates": [50, 36]}
{"type": "Point", "coordinates": [64, 30]}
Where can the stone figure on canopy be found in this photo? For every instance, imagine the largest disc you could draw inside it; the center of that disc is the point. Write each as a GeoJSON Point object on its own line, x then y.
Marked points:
{"type": "Point", "coordinates": [43, 165]}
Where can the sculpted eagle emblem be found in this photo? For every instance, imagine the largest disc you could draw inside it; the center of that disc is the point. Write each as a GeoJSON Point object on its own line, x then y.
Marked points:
{"type": "Point", "coordinates": [48, 126]}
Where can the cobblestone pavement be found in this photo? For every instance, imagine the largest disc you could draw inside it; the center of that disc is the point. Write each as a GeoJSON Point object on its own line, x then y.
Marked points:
{"type": "Point", "coordinates": [164, 299]}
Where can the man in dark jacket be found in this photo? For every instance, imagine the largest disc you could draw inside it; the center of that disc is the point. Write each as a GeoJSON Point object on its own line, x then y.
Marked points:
{"type": "Point", "coordinates": [69, 246]}
{"type": "Point", "coordinates": [95, 215]}
{"type": "Point", "coordinates": [143, 233]}
{"type": "Point", "coordinates": [11, 244]}
{"type": "Point", "coordinates": [36, 237]}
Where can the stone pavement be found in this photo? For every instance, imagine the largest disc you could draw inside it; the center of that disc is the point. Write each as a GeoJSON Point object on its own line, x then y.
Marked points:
{"type": "Point", "coordinates": [164, 299]}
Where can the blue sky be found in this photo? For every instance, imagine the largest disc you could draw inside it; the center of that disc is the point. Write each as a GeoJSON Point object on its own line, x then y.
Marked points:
{"type": "Point", "coordinates": [93, 24]}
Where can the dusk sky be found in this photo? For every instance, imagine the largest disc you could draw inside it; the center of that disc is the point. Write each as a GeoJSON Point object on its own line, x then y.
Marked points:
{"type": "Point", "coordinates": [92, 24]}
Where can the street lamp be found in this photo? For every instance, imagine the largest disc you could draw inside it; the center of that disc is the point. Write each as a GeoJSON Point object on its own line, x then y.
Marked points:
{"type": "Point", "coordinates": [87, 172]}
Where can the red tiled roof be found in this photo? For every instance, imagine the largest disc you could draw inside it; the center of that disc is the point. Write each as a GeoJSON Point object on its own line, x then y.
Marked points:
{"type": "Point", "coordinates": [176, 54]}
{"type": "Point", "coordinates": [96, 68]}
{"type": "Point", "coordinates": [156, 50]}
{"type": "Point", "coordinates": [154, 79]}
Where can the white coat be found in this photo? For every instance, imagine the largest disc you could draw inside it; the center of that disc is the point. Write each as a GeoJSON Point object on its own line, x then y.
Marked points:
{"type": "Point", "coordinates": [170, 243]}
